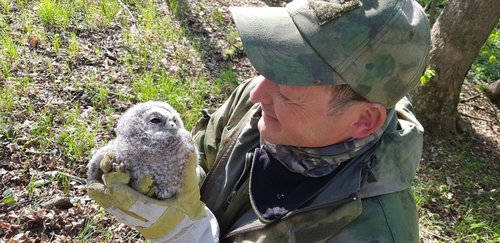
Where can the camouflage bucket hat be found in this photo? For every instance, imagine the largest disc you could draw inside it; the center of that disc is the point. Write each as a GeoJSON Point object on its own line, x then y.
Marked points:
{"type": "Point", "coordinates": [379, 48]}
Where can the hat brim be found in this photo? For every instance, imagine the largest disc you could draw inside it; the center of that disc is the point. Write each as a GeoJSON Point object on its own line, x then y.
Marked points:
{"type": "Point", "coordinates": [277, 50]}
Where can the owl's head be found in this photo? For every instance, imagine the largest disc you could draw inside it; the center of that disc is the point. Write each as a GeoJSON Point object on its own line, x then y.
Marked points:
{"type": "Point", "coordinates": [150, 118]}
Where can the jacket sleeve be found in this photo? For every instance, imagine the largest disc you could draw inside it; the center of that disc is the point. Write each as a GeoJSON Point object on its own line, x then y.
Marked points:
{"type": "Point", "coordinates": [211, 130]}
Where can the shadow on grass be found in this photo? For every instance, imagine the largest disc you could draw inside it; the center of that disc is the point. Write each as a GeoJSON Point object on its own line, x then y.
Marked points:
{"type": "Point", "coordinates": [457, 190]}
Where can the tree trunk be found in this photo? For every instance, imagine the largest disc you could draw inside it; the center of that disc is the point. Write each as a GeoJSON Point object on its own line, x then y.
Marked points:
{"type": "Point", "coordinates": [456, 36]}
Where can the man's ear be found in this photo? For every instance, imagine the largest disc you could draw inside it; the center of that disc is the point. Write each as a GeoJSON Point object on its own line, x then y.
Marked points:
{"type": "Point", "coordinates": [370, 119]}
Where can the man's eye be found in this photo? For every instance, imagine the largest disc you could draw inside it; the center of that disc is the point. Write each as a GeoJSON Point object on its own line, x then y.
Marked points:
{"type": "Point", "coordinates": [283, 96]}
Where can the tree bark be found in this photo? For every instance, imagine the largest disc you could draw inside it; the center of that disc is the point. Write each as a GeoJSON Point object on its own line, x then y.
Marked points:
{"type": "Point", "coordinates": [456, 36]}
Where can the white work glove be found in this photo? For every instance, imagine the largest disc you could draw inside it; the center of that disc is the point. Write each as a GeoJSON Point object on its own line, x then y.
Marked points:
{"type": "Point", "coordinates": [183, 218]}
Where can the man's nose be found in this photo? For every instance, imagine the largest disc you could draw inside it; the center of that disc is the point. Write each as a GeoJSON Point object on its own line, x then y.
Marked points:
{"type": "Point", "coordinates": [261, 93]}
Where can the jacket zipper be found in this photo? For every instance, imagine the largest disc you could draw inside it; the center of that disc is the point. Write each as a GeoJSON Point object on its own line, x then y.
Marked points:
{"type": "Point", "coordinates": [224, 154]}
{"type": "Point", "coordinates": [241, 179]}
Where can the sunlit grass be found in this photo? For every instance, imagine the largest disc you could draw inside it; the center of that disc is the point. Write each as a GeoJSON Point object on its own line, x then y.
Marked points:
{"type": "Point", "coordinates": [74, 46]}
{"type": "Point", "coordinates": [5, 6]}
{"type": "Point", "coordinates": [56, 42]}
{"type": "Point", "coordinates": [22, 3]}
{"type": "Point", "coordinates": [9, 48]}
{"type": "Point", "coordinates": [87, 230]}
{"type": "Point", "coordinates": [459, 197]}
{"type": "Point", "coordinates": [75, 136]}
{"type": "Point", "coordinates": [8, 96]}
{"type": "Point", "coordinates": [54, 14]}
{"type": "Point", "coordinates": [100, 14]}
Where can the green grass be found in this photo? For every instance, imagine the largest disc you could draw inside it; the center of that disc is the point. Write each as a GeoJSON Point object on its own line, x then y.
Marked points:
{"type": "Point", "coordinates": [9, 55]}
{"type": "Point", "coordinates": [73, 47]}
{"type": "Point", "coordinates": [54, 13]}
{"type": "Point", "coordinates": [56, 42]}
{"type": "Point", "coordinates": [76, 136]}
{"type": "Point", "coordinates": [458, 205]}
{"type": "Point", "coordinates": [5, 6]}
{"type": "Point", "coordinates": [88, 230]}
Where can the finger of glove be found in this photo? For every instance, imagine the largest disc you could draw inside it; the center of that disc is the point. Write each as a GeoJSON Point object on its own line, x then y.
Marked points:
{"type": "Point", "coordinates": [96, 191]}
{"type": "Point", "coordinates": [116, 177]}
{"type": "Point", "coordinates": [144, 185]}
{"type": "Point", "coordinates": [106, 163]}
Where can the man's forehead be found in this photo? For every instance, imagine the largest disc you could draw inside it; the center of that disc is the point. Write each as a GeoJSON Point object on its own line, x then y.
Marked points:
{"type": "Point", "coordinates": [313, 90]}
{"type": "Point", "coordinates": [301, 88]}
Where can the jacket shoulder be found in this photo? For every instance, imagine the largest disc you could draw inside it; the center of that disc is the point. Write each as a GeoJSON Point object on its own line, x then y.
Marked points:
{"type": "Point", "coordinates": [385, 218]}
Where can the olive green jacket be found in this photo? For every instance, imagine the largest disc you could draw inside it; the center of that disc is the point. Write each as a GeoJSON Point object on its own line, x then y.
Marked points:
{"type": "Point", "coordinates": [370, 200]}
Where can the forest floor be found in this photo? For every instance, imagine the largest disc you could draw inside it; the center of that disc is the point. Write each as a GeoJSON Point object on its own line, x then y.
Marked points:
{"type": "Point", "coordinates": [70, 68]}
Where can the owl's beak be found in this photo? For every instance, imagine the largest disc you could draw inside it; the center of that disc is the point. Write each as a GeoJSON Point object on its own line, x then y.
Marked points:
{"type": "Point", "coordinates": [170, 125]}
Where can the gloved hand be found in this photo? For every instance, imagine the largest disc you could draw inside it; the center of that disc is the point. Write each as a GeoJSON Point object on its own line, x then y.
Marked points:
{"type": "Point", "coordinates": [157, 220]}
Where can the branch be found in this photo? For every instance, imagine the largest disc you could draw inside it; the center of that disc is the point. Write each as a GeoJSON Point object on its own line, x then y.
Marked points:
{"type": "Point", "coordinates": [74, 178]}
{"type": "Point", "coordinates": [134, 20]}
{"type": "Point", "coordinates": [470, 98]}
{"type": "Point", "coordinates": [495, 111]}
{"type": "Point", "coordinates": [475, 117]}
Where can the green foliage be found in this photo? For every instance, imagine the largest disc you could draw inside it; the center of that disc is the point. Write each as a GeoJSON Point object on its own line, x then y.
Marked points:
{"type": "Point", "coordinates": [227, 79]}
{"type": "Point", "coordinates": [109, 8]}
{"type": "Point", "coordinates": [175, 6]}
{"type": "Point", "coordinates": [459, 196]}
{"type": "Point", "coordinates": [56, 42]}
{"type": "Point", "coordinates": [87, 230]}
{"type": "Point", "coordinates": [5, 6]}
{"type": "Point", "coordinates": [63, 181]}
{"type": "Point", "coordinates": [8, 197]}
{"type": "Point", "coordinates": [218, 16]}
{"type": "Point", "coordinates": [53, 13]}
{"type": "Point", "coordinates": [34, 184]}
{"type": "Point", "coordinates": [428, 74]}
{"type": "Point", "coordinates": [433, 8]}
{"type": "Point", "coordinates": [7, 99]}
{"type": "Point", "coordinates": [486, 67]}
{"type": "Point", "coordinates": [235, 45]}
{"type": "Point", "coordinates": [73, 47]}
{"type": "Point", "coordinates": [76, 137]}
{"type": "Point", "coordinates": [22, 3]}
{"type": "Point", "coordinates": [9, 48]}
{"type": "Point", "coordinates": [9, 54]}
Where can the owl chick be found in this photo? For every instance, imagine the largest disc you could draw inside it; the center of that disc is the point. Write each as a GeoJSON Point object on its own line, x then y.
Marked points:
{"type": "Point", "coordinates": [150, 141]}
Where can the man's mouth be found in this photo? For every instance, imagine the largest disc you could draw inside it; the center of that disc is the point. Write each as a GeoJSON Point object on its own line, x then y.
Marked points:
{"type": "Point", "coordinates": [269, 117]}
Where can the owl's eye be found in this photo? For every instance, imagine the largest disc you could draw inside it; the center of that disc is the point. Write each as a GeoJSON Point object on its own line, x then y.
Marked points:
{"type": "Point", "coordinates": [155, 120]}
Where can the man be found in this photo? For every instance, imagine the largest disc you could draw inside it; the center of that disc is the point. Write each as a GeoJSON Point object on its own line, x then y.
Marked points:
{"type": "Point", "coordinates": [316, 148]}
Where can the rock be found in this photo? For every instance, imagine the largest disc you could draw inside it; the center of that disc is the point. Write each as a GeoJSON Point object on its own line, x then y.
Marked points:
{"type": "Point", "coordinates": [493, 92]}
{"type": "Point", "coordinates": [58, 202]}
{"type": "Point", "coordinates": [464, 127]}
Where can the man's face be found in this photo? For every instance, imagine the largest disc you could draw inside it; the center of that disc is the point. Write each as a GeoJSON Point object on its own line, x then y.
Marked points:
{"type": "Point", "coordinates": [299, 116]}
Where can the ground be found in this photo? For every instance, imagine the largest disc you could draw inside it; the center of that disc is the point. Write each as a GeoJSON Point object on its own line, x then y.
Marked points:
{"type": "Point", "coordinates": [68, 69]}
